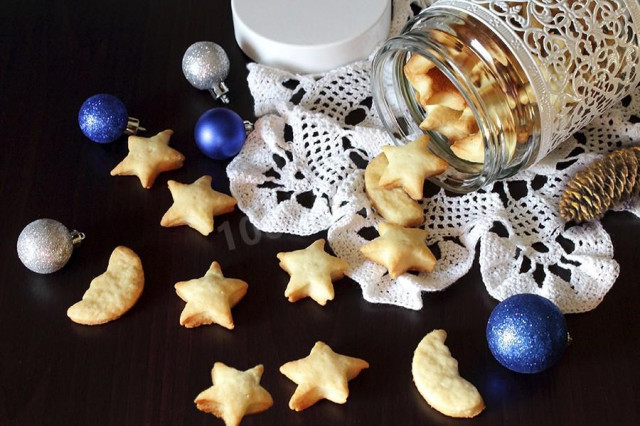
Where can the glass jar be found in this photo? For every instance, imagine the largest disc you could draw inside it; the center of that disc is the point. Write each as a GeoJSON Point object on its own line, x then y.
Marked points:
{"type": "Point", "coordinates": [531, 72]}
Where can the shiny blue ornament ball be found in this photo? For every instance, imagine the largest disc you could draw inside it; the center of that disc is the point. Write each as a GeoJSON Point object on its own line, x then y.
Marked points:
{"type": "Point", "coordinates": [220, 133]}
{"type": "Point", "coordinates": [103, 118]}
{"type": "Point", "coordinates": [527, 333]}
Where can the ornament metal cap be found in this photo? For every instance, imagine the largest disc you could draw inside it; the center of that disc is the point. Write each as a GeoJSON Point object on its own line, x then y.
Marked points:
{"type": "Point", "coordinates": [205, 66]}
{"type": "Point", "coordinates": [219, 91]}
{"type": "Point", "coordinates": [133, 126]}
{"type": "Point", "coordinates": [248, 127]}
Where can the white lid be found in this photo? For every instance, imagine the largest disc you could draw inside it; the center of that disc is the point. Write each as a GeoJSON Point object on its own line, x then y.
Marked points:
{"type": "Point", "coordinates": [310, 36]}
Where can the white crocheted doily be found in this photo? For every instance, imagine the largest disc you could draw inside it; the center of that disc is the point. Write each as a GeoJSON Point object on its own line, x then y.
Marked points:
{"type": "Point", "coordinates": [301, 172]}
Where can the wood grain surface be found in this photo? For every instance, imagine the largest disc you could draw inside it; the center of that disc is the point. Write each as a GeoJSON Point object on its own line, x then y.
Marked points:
{"type": "Point", "coordinates": [145, 369]}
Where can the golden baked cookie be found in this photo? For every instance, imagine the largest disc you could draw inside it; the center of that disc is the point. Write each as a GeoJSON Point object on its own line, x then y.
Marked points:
{"type": "Point", "coordinates": [470, 148]}
{"type": "Point", "coordinates": [444, 92]}
{"type": "Point", "coordinates": [112, 293]}
{"type": "Point", "coordinates": [446, 110]}
{"type": "Point", "coordinates": [439, 116]}
{"type": "Point", "coordinates": [148, 157]}
{"type": "Point", "coordinates": [416, 70]}
{"type": "Point", "coordinates": [312, 272]}
{"type": "Point", "coordinates": [323, 374]}
{"type": "Point", "coordinates": [454, 129]}
{"type": "Point", "coordinates": [210, 298]}
{"type": "Point", "coordinates": [410, 165]}
{"type": "Point", "coordinates": [400, 250]}
{"type": "Point", "coordinates": [435, 373]}
{"type": "Point", "coordinates": [234, 394]}
{"type": "Point", "coordinates": [196, 204]}
{"type": "Point", "coordinates": [392, 204]}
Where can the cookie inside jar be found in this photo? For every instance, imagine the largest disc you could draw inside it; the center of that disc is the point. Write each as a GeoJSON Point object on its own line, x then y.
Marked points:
{"type": "Point", "coordinates": [448, 78]}
{"type": "Point", "coordinates": [445, 109]}
{"type": "Point", "coordinates": [447, 112]}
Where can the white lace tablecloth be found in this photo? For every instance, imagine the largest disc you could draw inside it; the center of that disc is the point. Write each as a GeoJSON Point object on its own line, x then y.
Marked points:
{"type": "Point", "coordinates": [301, 172]}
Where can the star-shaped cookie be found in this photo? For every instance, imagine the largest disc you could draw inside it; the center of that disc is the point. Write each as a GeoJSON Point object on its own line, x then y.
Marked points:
{"type": "Point", "coordinates": [210, 298]}
{"type": "Point", "coordinates": [321, 375]}
{"type": "Point", "coordinates": [312, 272]}
{"type": "Point", "coordinates": [196, 204]}
{"type": "Point", "coordinates": [148, 157]}
{"type": "Point", "coordinates": [410, 165]}
{"type": "Point", "coordinates": [400, 249]}
{"type": "Point", "coordinates": [234, 394]}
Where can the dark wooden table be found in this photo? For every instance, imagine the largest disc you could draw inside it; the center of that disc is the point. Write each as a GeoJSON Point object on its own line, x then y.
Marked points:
{"type": "Point", "coordinates": [145, 369]}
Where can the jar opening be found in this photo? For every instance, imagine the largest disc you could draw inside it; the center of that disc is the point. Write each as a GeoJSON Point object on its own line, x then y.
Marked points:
{"type": "Point", "coordinates": [500, 111]}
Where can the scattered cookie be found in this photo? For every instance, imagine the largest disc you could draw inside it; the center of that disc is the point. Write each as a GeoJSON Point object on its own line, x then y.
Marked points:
{"type": "Point", "coordinates": [112, 293]}
{"type": "Point", "coordinates": [312, 273]}
{"type": "Point", "coordinates": [410, 165]}
{"type": "Point", "coordinates": [400, 250]}
{"type": "Point", "coordinates": [195, 205]}
{"type": "Point", "coordinates": [435, 373]}
{"type": "Point", "coordinates": [323, 374]}
{"type": "Point", "coordinates": [393, 204]}
{"type": "Point", "coordinates": [234, 394]}
{"type": "Point", "coordinates": [148, 157]}
{"type": "Point", "coordinates": [210, 298]}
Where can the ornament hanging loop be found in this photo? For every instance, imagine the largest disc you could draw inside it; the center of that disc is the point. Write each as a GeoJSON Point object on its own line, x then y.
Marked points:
{"type": "Point", "coordinates": [133, 125]}
{"type": "Point", "coordinates": [219, 92]}
{"type": "Point", "coordinates": [77, 237]}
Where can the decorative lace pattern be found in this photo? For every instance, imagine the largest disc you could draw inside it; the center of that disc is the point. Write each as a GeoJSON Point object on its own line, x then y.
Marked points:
{"type": "Point", "coordinates": [301, 172]}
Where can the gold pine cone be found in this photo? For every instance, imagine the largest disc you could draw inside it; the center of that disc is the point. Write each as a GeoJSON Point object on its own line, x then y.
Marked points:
{"type": "Point", "coordinates": [602, 185]}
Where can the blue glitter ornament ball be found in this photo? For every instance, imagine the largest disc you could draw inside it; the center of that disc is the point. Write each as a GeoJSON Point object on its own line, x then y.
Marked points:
{"type": "Point", "coordinates": [527, 333]}
{"type": "Point", "coordinates": [103, 118]}
{"type": "Point", "coordinates": [220, 133]}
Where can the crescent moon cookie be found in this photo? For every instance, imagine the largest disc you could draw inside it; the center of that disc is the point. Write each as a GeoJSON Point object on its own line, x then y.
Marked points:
{"type": "Point", "coordinates": [410, 165]}
{"type": "Point", "coordinates": [195, 205]}
{"type": "Point", "coordinates": [323, 374]}
{"type": "Point", "coordinates": [435, 373]}
{"type": "Point", "coordinates": [210, 298]}
{"type": "Point", "coordinates": [112, 293]}
{"type": "Point", "coordinates": [312, 272]}
{"type": "Point", "coordinates": [234, 394]}
{"type": "Point", "coordinates": [400, 250]}
{"type": "Point", "coordinates": [392, 204]}
{"type": "Point", "coordinates": [148, 157]}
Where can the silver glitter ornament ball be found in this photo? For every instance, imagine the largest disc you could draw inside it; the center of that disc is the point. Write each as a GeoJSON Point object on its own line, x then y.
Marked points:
{"type": "Point", "coordinates": [45, 245]}
{"type": "Point", "coordinates": [206, 65]}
